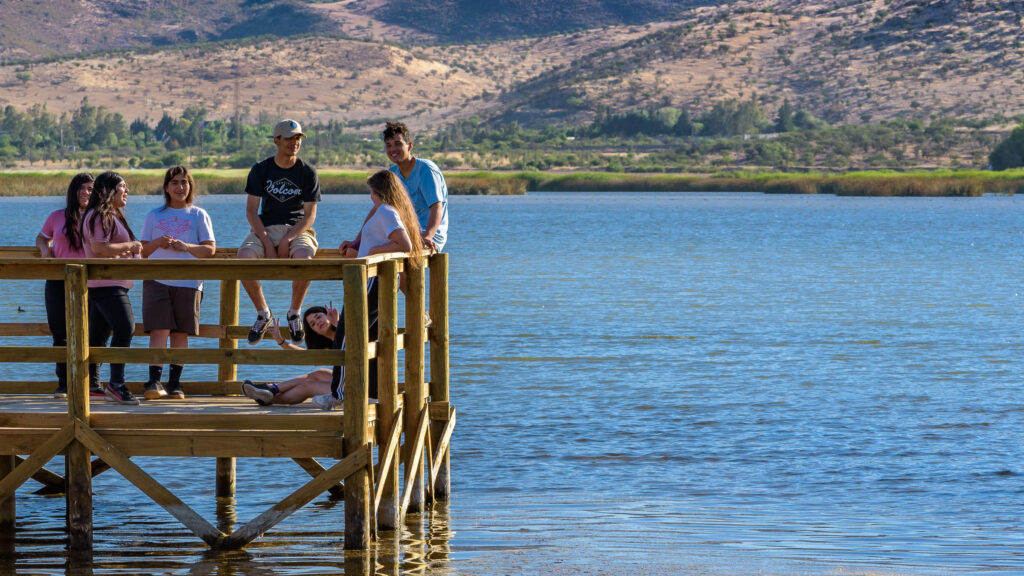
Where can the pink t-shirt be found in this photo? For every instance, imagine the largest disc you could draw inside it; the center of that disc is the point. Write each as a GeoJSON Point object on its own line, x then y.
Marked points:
{"type": "Point", "coordinates": [117, 234]}
{"type": "Point", "coordinates": [53, 229]}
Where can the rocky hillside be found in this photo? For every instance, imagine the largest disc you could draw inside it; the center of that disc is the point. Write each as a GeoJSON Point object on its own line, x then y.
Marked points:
{"type": "Point", "coordinates": [845, 61]}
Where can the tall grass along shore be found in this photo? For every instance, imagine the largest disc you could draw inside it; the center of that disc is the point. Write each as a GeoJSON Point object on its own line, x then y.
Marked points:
{"type": "Point", "coordinates": [875, 183]}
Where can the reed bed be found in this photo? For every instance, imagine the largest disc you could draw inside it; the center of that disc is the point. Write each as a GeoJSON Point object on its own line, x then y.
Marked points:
{"type": "Point", "coordinates": [933, 183]}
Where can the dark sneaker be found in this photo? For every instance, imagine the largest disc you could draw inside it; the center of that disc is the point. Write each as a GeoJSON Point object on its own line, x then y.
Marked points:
{"type": "Point", "coordinates": [175, 391]}
{"type": "Point", "coordinates": [259, 328]}
{"type": "Point", "coordinates": [96, 392]}
{"type": "Point", "coordinates": [118, 392]}
{"type": "Point", "coordinates": [154, 391]}
{"type": "Point", "coordinates": [295, 327]}
{"type": "Point", "coordinates": [261, 393]}
{"type": "Point", "coordinates": [61, 392]}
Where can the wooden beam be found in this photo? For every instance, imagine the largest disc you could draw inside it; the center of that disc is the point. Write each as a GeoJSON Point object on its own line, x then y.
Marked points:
{"type": "Point", "coordinates": [314, 469]}
{"type": "Point", "coordinates": [36, 460]}
{"type": "Point", "coordinates": [417, 454]}
{"type": "Point", "coordinates": [415, 389]}
{"type": "Point", "coordinates": [356, 399]}
{"type": "Point", "coordinates": [77, 464]}
{"type": "Point", "coordinates": [52, 482]}
{"type": "Point", "coordinates": [439, 367]}
{"type": "Point", "coordinates": [8, 506]}
{"type": "Point", "coordinates": [214, 356]}
{"type": "Point", "coordinates": [387, 468]}
{"type": "Point", "coordinates": [351, 465]}
{"type": "Point", "coordinates": [256, 422]}
{"type": "Point", "coordinates": [147, 484]}
{"type": "Point", "coordinates": [441, 452]}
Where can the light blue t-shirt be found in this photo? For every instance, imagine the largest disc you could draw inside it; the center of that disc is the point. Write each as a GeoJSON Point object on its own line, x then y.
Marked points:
{"type": "Point", "coordinates": [191, 225]}
{"type": "Point", "coordinates": [426, 187]}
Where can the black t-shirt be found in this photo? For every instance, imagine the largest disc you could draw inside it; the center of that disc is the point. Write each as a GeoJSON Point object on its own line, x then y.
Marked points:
{"type": "Point", "coordinates": [282, 190]}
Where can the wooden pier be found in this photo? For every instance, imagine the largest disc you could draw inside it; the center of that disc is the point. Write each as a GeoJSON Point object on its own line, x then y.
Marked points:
{"type": "Point", "coordinates": [392, 455]}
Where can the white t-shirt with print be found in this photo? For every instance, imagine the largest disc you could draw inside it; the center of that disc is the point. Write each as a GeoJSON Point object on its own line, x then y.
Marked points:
{"type": "Point", "coordinates": [191, 224]}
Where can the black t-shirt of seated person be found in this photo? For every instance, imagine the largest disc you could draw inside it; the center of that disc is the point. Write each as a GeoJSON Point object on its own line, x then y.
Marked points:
{"type": "Point", "coordinates": [282, 190]}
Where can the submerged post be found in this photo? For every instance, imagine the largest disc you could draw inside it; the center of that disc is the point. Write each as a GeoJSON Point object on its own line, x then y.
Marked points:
{"type": "Point", "coordinates": [79, 468]}
{"type": "Point", "coordinates": [8, 508]}
{"type": "Point", "coordinates": [415, 394]}
{"type": "Point", "coordinates": [227, 371]}
{"type": "Point", "coordinates": [439, 368]}
{"type": "Point", "coordinates": [388, 514]}
{"type": "Point", "coordinates": [357, 391]}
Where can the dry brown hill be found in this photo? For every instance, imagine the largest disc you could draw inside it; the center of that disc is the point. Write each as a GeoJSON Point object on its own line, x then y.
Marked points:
{"type": "Point", "coordinates": [845, 61]}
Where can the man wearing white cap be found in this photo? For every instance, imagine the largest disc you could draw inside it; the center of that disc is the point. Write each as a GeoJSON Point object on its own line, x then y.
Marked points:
{"type": "Point", "coordinates": [281, 207]}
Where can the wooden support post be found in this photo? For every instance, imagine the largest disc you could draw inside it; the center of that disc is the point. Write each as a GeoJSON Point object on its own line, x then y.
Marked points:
{"type": "Point", "coordinates": [357, 391]}
{"type": "Point", "coordinates": [439, 369]}
{"type": "Point", "coordinates": [77, 457]}
{"type": "Point", "coordinates": [225, 477]}
{"type": "Point", "coordinates": [8, 510]}
{"type": "Point", "coordinates": [388, 517]}
{"type": "Point", "coordinates": [415, 393]}
{"type": "Point", "coordinates": [227, 371]}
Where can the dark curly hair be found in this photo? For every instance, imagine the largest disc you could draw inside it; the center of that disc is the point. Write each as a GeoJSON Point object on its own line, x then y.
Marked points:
{"type": "Point", "coordinates": [392, 129]}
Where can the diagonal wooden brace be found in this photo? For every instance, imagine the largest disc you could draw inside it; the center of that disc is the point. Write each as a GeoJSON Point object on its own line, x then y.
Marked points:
{"type": "Point", "coordinates": [442, 447]}
{"type": "Point", "coordinates": [296, 500]}
{"type": "Point", "coordinates": [150, 487]}
{"type": "Point", "coordinates": [314, 469]}
{"type": "Point", "coordinates": [414, 469]}
{"type": "Point", "coordinates": [53, 446]}
{"type": "Point", "coordinates": [386, 458]}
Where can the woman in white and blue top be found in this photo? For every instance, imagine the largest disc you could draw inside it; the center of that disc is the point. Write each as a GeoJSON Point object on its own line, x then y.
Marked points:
{"type": "Point", "coordinates": [170, 308]}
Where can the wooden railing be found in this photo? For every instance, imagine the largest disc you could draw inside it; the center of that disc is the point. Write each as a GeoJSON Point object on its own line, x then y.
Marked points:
{"type": "Point", "coordinates": [372, 495]}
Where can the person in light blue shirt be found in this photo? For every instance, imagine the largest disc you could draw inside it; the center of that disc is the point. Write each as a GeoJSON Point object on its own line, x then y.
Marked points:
{"type": "Point", "coordinates": [424, 183]}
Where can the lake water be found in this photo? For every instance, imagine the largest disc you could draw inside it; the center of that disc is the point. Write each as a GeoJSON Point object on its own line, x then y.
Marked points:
{"type": "Point", "coordinates": [722, 384]}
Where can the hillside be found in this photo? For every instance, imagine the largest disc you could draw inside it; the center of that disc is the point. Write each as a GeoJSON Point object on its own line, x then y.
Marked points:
{"type": "Point", "coordinates": [851, 62]}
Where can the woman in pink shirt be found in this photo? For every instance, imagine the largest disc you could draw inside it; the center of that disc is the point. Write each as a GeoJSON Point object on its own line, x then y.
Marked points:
{"type": "Point", "coordinates": [106, 234]}
{"type": "Point", "coordinates": [61, 237]}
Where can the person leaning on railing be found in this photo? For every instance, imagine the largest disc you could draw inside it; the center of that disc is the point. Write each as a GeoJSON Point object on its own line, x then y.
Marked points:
{"type": "Point", "coordinates": [61, 237]}
{"type": "Point", "coordinates": [106, 234]}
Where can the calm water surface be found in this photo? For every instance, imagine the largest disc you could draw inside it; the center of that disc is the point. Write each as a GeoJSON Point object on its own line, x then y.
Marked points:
{"type": "Point", "coordinates": [656, 384]}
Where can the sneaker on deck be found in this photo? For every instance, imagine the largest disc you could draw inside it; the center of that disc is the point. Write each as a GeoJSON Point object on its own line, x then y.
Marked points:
{"type": "Point", "coordinates": [96, 392]}
{"type": "Point", "coordinates": [295, 327]}
{"type": "Point", "coordinates": [154, 391]}
{"type": "Point", "coordinates": [259, 328]}
{"type": "Point", "coordinates": [119, 393]}
{"type": "Point", "coordinates": [175, 391]}
{"type": "Point", "coordinates": [261, 393]}
{"type": "Point", "coordinates": [61, 392]}
{"type": "Point", "coordinates": [327, 402]}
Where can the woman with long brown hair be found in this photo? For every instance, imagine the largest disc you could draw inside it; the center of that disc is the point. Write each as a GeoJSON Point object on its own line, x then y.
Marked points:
{"type": "Point", "coordinates": [106, 234]}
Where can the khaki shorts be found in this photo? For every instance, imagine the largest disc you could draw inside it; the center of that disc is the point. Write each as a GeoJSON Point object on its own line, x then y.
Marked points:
{"type": "Point", "coordinates": [170, 308]}
{"type": "Point", "coordinates": [305, 241]}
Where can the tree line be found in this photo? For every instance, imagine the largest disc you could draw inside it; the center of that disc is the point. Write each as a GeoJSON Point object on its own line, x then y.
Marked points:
{"type": "Point", "coordinates": [730, 134]}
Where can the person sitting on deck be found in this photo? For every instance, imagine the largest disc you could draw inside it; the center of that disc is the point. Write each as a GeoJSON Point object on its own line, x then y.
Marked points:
{"type": "Point", "coordinates": [170, 308]}
{"type": "Point", "coordinates": [283, 192]}
{"type": "Point", "coordinates": [385, 230]}
{"type": "Point", "coordinates": [319, 325]}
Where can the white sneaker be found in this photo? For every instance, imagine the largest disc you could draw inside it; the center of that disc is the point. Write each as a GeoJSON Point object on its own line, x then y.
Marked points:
{"type": "Point", "coordinates": [327, 402]}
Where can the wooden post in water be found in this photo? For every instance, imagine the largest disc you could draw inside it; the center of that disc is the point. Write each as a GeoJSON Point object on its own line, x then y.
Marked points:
{"type": "Point", "coordinates": [388, 514]}
{"type": "Point", "coordinates": [227, 371]}
{"type": "Point", "coordinates": [79, 473]}
{"type": "Point", "coordinates": [8, 508]}
{"type": "Point", "coordinates": [439, 368]}
{"type": "Point", "coordinates": [357, 391]}
{"type": "Point", "coordinates": [415, 394]}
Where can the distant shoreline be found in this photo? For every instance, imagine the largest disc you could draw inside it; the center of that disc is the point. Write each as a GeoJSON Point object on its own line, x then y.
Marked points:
{"type": "Point", "coordinates": [873, 183]}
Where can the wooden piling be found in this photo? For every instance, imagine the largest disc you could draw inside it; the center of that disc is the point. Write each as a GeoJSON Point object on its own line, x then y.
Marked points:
{"type": "Point", "coordinates": [227, 371]}
{"type": "Point", "coordinates": [79, 473]}
{"type": "Point", "coordinates": [388, 517]}
{"type": "Point", "coordinates": [415, 393]}
{"type": "Point", "coordinates": [357, 391]}
{"type": "Point", "coordinates": [8, 510]}
{"type": "Point", "coordinates": [439, 367]}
